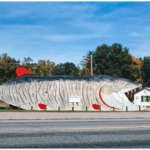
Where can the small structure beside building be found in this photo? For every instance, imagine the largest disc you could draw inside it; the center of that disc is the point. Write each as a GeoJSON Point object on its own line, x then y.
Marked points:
{"type": "Point", "coordinates": [142, 97]}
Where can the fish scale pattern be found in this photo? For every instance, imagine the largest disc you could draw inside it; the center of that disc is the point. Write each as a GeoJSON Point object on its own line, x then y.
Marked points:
{"type": "Point", "coordinates": [30, 90]}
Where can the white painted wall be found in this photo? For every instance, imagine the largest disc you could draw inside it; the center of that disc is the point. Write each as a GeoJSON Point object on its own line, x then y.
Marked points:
{"type": "Point", "coordinates": [137, 97]}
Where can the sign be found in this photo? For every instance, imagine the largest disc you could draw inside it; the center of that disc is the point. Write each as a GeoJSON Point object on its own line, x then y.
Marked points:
{"type": "Point", "coordinates": [145, 92]}
{"type": "Point", "coordinates": [74, 99]}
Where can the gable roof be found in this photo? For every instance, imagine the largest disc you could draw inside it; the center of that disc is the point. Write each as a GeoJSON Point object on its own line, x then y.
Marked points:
{"type": "Point", "coordinates": [147, 88]}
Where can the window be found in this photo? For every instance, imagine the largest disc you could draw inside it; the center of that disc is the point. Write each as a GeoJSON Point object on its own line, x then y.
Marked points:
{"type": "Point", "coordinates": [145, 98]}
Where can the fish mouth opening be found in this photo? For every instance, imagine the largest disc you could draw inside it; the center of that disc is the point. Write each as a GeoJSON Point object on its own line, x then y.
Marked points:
{"type": "Point", "coordinates": [130, 92]}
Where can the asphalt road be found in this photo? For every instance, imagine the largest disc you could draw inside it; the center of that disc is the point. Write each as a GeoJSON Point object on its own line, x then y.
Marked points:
{"type": "Point", "coordinates": [108, 133]}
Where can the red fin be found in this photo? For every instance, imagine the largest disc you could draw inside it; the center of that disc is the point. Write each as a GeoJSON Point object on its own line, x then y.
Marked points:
{"type": "Point", "coordinates": [96, 106]}
{"type": "Point", "coordinates": [10, 108]}
{"type": "Point", "coordinates": [22, 71]}
{"type": "Point", "coordinates": [42, 106]}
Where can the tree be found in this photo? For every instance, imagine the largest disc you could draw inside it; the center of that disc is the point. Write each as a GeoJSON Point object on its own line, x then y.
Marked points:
{"type": "Point", "coordinates": [146, 71]}
{"type": "Point", "coordinates": [86, 64]}
{"type": "Point", "coordinates": [26, 63]}
{"type": "Point", "coordinates": [44, 68]}
{"type": "Point", "coordinates": [66, 69]}
{"type": "Point", "coordinates": [138, 64]}
{"type": "Point", "coordinates": [8, 66]}
{"type": "Point", "coordinates": [113, 60]}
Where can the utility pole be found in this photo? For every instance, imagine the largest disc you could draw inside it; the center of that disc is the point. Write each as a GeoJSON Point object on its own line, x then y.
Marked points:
{"type": "Point", "coordinates": [91, 66]}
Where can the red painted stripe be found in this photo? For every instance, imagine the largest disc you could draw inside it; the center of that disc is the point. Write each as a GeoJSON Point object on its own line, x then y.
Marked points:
{"type": "Point", "coordinates": [103, 100]}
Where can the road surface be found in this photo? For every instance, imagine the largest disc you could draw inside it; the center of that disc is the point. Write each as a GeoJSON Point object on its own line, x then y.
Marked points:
{"type": "Point", "coordinates": [100, 133]}
{"type": "Point", "coordinates": [72, 115]}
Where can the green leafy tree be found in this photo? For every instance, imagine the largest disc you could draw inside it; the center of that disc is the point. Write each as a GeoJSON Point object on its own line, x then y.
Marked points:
{"type": "Point", "coordinates": [26, 63]}
{"type": "Point", "coordinates": [113, 60]}
{"type": "Point", "coordinates": [146, 71]}
{"type": "Point", "coordinates": [8, 66]}
{"type": "Point", "coordinates": [44, 68]}
{"type": "Point", "coordinates": [66, 69]}
{"type": "Point", "coordinates": [86, 64]}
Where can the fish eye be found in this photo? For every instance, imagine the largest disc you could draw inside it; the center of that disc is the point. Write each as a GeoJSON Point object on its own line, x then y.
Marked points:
{"type": "Point", "coordinates": [118, 81]}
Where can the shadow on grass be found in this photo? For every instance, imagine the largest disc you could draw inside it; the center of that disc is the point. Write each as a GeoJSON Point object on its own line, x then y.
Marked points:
{"type": "Point", "coordinates": [2, 107]}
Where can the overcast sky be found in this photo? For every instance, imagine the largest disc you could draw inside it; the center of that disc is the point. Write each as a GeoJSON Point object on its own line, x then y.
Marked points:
{"type": "Point", "coordinates": [65, 31]}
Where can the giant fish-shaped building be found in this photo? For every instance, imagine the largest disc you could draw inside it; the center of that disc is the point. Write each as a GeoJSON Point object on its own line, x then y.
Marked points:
{"type": "Point", "coordinates": [67, 91]}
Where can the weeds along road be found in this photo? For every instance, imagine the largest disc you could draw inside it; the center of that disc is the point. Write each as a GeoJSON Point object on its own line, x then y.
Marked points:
{"type": "Point", "coordinates": [100, 133]}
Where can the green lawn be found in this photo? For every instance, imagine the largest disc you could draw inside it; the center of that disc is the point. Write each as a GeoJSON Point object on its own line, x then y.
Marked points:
{"type": "Point", "coordinates": [3, 109]}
